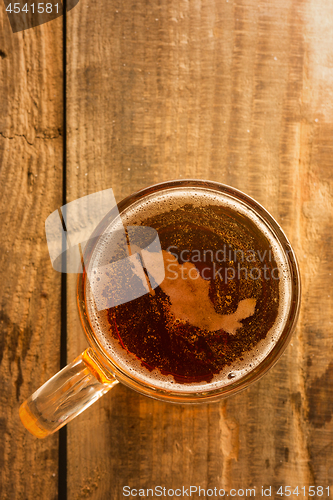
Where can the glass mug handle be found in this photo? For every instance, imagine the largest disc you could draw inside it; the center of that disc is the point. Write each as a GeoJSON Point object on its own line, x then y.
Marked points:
{"type": "Point", "coordinates": [66, 394]}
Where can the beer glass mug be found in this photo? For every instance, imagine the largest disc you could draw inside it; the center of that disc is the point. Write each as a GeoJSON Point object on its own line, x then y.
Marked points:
{"type": "Point", "coordinates": [227, 302]}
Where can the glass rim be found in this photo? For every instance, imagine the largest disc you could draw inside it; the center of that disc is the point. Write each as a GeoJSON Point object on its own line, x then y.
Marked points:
{"type": "Point", "coordinates": [258, 371]}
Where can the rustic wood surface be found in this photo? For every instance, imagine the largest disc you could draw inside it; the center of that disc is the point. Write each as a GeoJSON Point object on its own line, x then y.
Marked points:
{"type": "Point", "coordinates": [31, 162]}
{"type": "Point", "coordinates": [236, 91]}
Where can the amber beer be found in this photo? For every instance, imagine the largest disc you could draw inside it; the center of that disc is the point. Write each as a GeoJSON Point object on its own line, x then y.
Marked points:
{"type": "Point", "coordinates": [190, 292]}
{"type": "Point", "coordinates": [223, 305]}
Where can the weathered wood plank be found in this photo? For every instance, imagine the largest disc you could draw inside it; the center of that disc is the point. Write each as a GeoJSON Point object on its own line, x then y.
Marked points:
{"type": "Point", "coordinates": [238, 92]}
{"type": "Point", "coordinates": [31, 115]}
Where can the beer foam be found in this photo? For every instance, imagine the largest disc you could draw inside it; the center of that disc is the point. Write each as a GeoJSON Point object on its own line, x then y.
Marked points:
{"type": "Point", "coordinates": [190, 302]}
{"type": "Point", "coordinates": [160, 203]}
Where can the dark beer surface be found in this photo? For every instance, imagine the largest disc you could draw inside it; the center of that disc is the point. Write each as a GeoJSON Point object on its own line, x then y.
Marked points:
{"type": "Point", "coordinates": [233, 256]}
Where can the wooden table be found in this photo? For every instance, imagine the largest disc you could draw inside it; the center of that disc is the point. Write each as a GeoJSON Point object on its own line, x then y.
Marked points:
{"type": "Point", "coordinates": [236, 91]}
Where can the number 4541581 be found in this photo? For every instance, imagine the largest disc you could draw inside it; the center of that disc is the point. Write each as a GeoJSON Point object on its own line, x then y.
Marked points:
{"type": "Point", "coordinates": [310, 491]}
{"type": "Point", "coordinates": [40, 8]}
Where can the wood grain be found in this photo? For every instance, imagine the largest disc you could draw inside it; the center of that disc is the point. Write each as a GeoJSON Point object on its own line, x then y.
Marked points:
{"type": "Point", "coordinates": [239, 92]}
{"type": "Point", "coordinates": [236, 91]}
{"type": "Point", "coordinates": [31, 115]}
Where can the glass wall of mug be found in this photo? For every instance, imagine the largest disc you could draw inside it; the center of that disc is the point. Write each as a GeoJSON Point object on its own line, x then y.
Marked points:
{"type": "Point", "coordinates": [190, 292]}
{"type": "Point", "coordinates": [225, 310]}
